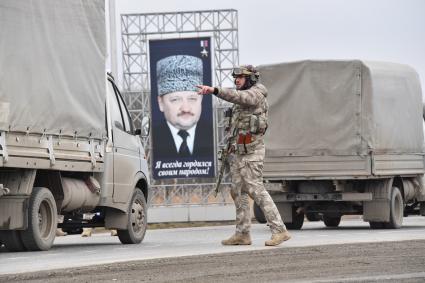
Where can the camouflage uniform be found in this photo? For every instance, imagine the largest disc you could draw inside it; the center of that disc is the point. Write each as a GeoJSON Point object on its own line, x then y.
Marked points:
{"type": "Point", "coordinates": [250, 107]}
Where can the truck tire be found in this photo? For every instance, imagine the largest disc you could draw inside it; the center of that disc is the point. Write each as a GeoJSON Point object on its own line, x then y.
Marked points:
{"type": "Point", "coordinates": [12, 241]}
{"type": "Point", "coordinates": [331, 221]}
{"type": "Point", "coordinates": [396, 212]}
{"type": "Point", "coordinates": [137, 220]}
{"type": "Point", "coordinates": [42, 221]}
{"type": "Point", "coordinates": [297, 220]}
{"type": "Point", "coordinates": [396, 209]}
{"type": "Point", "coordinates": [259, 215]}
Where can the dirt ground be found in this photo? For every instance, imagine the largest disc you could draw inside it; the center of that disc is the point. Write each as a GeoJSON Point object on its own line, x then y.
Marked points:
{"type": "Point", "coordinates": [372, 262]}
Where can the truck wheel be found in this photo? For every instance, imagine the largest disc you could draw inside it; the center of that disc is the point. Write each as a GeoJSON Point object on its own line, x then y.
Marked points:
{"type": "Point", "coordinates": [137, 220]}
{"type": "Point", "coordinates": [331, 221]}
{"type": "Point", "coordinates": [297, 220]}
{"type": "Point", "coordinates": [42, 221]}
{"type": "Point", "coordinates": [396, 212]}
{"type": "Point", "coordinates": [259, 215]}
{"type": "Point", "coordinates": [396, 209]}
{"type": "Point", "coordinates": [12, 241]}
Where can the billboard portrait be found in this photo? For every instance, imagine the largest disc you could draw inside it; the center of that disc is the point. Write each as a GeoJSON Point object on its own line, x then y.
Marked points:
{"type": "Point", "coordinates": [182, 120]}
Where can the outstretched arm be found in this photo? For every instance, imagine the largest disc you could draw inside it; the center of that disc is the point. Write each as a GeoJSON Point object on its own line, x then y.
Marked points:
{"type": "Point", "coordinates": [204, 89]}
{"type": "Point", "coordinates": [249, 97]}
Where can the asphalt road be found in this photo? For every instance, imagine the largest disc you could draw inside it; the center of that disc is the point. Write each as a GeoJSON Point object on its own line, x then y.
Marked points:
{"type": "Point", "coordinates": [74, 251]}
{"type": "Point", "coordinates": [389, 262]}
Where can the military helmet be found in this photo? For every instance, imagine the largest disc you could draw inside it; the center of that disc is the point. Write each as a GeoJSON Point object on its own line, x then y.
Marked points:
{"type": "Point", "coordinates": [246, 71]}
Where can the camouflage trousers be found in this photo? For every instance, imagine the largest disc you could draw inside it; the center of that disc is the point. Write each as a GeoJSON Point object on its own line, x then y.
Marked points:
{"type": "Point", "coordinates": [247, 179]}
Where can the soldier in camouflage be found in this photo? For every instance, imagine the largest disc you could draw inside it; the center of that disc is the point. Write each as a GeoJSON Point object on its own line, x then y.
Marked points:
{"type": "Point", "coordinates": [247, 126]}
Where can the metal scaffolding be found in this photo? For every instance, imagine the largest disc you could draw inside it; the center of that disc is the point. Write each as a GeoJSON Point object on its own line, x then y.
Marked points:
{"type": "Point", "coordinates": [136, 31]}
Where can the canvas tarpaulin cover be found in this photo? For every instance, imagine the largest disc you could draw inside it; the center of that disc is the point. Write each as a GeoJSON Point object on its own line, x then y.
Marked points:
{"type": "Point", "coordinates": [320, 108]}
{"type": "Point", "coordinates": [52, 67]}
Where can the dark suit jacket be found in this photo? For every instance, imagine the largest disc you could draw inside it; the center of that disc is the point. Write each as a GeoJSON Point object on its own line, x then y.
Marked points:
{"type": "Point", "coordinates": [163, 145]}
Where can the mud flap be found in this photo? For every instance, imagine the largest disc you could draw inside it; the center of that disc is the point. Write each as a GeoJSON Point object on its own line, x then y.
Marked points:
{"type": "Point", "coordinates": [116, 219]}
{"type": "Point", "coordinates": [13, 213]}
{"type": "Point", "coordinates": [378, 210]}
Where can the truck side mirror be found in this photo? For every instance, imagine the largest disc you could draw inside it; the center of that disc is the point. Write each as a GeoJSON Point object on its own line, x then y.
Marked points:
{"type": "Point", "coordinates": [146, 126]}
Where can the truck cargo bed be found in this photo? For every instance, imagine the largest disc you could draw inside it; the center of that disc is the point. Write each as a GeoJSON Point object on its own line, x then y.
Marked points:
{"type": "Point", "coordinates": [342, 167]}
{"type": "Point", "coordinates": [20, 150]}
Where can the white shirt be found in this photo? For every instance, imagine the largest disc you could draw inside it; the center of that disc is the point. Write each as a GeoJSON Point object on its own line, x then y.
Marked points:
{"type": "Point", "coordinates": [178, 140]}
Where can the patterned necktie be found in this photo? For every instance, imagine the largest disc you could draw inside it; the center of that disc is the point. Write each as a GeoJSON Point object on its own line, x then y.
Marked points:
{"type": "Point", "coordinates": [184, 149]}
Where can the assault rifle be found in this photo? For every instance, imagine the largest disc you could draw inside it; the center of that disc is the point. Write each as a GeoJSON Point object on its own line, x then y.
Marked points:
{"type": "Point", "coordinates": [224, 162]}
{"type": "Point", "coordinates": [224, 153]}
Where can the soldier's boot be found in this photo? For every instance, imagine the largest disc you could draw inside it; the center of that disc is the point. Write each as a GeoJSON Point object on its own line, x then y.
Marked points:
{"type": "Point", "coordinates": [114, 232]}
{"type": "Point", "coordinates": [87, 232]}
{"type": "Point", "coordinates": [238, 239]}
{"type": "Point", "coordinates": [278, 238]}
{"type": "Point", "coordinates": [60, 232]}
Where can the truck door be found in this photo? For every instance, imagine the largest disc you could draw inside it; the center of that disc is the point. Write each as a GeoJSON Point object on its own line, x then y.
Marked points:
{"type": "Point", "coordinates": [126, 147]}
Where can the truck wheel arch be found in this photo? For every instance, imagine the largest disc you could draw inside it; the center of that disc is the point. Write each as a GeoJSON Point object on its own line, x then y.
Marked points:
{"type": "Point", "coordinates": [140, 181]}
{"type": "Point", "coordinates": [52, 181]}
{"type": "Point", "coordinates": [142, 184]}
{"type": "Point", "coordinates": [399, 183]}
{"type": "Point", "coordinates": [116, 218]}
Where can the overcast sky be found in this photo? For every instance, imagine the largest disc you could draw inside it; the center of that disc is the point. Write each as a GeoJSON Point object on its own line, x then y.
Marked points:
{"type": "Point", "coordinates": [272, 31]}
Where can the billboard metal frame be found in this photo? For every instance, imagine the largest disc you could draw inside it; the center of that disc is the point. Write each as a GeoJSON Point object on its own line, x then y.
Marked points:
{"type": "Point", "coordinates": [136, 31]}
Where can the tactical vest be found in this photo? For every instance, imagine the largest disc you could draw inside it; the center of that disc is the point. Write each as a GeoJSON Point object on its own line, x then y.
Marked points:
{"type": "Point", "coordinates": [247, 126]}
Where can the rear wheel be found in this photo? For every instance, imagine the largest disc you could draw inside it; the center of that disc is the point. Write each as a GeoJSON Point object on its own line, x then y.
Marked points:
{"type": "Point", "coordinates": [42, 221]}
{"type": "Point", "coordinates": [137, 220]}
{"type": "Point", "coordinates": [396, 212]}
{"type": "Point", "coordinates": [331, 221]}
{"type": "Point", "coordinates": [396, 209]}
{"type": "Point", "coordinates": [297, 220]}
